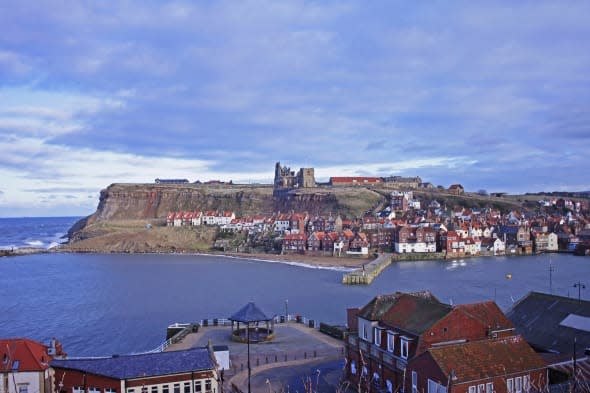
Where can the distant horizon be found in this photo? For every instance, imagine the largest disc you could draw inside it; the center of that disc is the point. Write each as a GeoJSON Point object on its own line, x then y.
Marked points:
{"type": "Point", "coordinates": [459, 92]}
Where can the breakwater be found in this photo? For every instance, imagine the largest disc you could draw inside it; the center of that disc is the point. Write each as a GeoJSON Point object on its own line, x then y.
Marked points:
{"type": "Point", "coordinates": [370, 271]}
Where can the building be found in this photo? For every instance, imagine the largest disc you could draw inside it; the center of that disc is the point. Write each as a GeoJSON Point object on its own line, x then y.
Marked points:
{"type": "Point", "coordinates": [388, 333]}
{"type": "Point", "coordinates": [189, 371]}
{"type": "Point", "coordinates": [403, 182]}
{"type": "Point", "coordinates": [24, 366]}
{"type": "Point", "coordinates": [557, 320]}
{"type": "Point", "coordinates": [294, 243]}
{"type": "Point", "coordinates": [355, 181]}
{"type": "Point", "coordinates": [456, 189]}
{"type": "Point", "coordinates": [414, 239]}
{"type": "Point", "coordinates": [503, 365]}
{"type": "Point", "coordinates": [285, 178]}
{"type": "Point", "coordinates": [171, 181]}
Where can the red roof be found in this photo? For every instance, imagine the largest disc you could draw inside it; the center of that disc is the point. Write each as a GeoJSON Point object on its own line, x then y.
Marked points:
{"type": "Point", "coordinates": [22, 354]}
{"type": "Point", "coordinates": [488, 313]}
{"type": "Point", "coordinates": [295, 236]}
{"type": "Point", "coordinates": [487, 358]}
{"type": "Point", "coordinates": [356, 179]}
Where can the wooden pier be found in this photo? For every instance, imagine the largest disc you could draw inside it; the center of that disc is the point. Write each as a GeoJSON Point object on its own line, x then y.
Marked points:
{"type": "Point", "coordinates": [370, 271]}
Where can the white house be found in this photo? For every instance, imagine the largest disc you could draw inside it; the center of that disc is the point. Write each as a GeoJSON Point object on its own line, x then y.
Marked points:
{"type": "Point", "coordinates": [552, 244]}
{"type": "Point", "coordinates": [24, 367]}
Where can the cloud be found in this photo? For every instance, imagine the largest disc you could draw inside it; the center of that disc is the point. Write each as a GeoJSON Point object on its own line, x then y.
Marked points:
{"type": "Point", "coordinates": [455, 93]}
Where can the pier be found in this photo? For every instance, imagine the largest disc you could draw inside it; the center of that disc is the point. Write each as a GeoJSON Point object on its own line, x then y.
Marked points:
{"type": "Point", "coordinates": [369, 272]}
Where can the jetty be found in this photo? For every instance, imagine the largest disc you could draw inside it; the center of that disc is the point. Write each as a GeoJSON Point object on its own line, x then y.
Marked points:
{"type": "Point", "coordinates": [366, 274]}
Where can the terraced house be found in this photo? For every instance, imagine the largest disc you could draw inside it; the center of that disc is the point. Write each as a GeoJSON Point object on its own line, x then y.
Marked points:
{"type": "Point", "coordinates": [402, 342]}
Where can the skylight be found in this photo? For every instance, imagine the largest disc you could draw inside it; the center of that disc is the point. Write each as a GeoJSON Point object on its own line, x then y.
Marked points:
{"type": "Point", "coordinates": [577, 322]}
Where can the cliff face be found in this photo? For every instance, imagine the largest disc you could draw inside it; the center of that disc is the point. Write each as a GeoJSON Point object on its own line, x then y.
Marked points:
{"type": "Point", "coordinates": [154, 201]}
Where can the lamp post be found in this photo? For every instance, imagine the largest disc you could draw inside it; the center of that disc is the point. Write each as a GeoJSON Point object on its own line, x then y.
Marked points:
{"type": "Point", "coordinates": [287, 310]}
{"type": "Point", "coordinates": [580, 286]}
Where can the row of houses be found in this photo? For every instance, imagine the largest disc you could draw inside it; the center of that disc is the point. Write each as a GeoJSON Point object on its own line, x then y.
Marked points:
{"type": "Point", "coordinates": [412, 342]}
{"type": "Point", "coordinates": [28, 366]}
{"type": "Point", "coordinates": [196, 218]}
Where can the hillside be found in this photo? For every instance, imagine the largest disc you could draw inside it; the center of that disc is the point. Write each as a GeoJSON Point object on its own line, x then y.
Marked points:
{"type": "Point", "coordinates": [124, 210]}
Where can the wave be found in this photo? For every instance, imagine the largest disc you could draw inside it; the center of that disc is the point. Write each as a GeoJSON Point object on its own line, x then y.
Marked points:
{"type": "Point", "coordinates": [292, 263]}
{"type": "Point", "coordinates": [35, 243]}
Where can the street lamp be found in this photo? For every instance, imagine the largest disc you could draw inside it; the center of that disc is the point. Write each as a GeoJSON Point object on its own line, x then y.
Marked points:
{"type": "Point", "coordinates": [287, 310]}
{"type": "Point", "coordinates": [580, 286]}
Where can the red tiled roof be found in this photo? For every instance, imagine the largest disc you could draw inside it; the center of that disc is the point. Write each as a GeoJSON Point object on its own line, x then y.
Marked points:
{"type": "Point", "coordinates": [31, 355]}
{"type": "Point", "coordinates": [487, 358]}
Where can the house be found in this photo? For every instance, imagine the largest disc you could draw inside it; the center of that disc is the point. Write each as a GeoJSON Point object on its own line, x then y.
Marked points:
{"type": "Point", "coordinates": [495, 246]}
{"type": "Point", "coordinates": [456, 189]}
{"type": "Point", "coordinates": [209, 217]}
{"type": "Point", "coordinates": [314, 241]}
{"type": "Point", "coordinates": [294, 243]}
{"type": "Point", "coordinates": [178, 219]}
{"type": "Point", "coordinates": [24, 366]}
{"type": "Point", "coordinates": [472, 246]}
{"type": "Point", "coordinates": [451, 243]}
{"type": "Point", "coordinates": [502, 365]}
{"type": "Point", "coordinates": [224, 217]}
{"type": "Point", "coordinates": [170, 219]}
{"type": "Point", "coordinates": [414, 239]}
{"type": "Point", "coordinates": [282, 222]}
{"type": "Point", "coordinates": [359, 244]}
{"type": "Point", "coordinates": [389, 332]}
{"type": "Point", "coordinates": [197, 218]}
{"type": "Point", "coordinates": [189, 371]}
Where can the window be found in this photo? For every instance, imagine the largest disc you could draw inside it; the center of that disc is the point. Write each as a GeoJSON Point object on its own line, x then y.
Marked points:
{"type": "Point", "coordinates": [78, 389]}
{"type": "Point", "coordinates": [389, 386]}
{"type": "Point", "coordinates": [187, 387]}
{"type": "Point", "coordinates": [130, 390]}
{"type": "Point", "coordinates": [176, 388]}
{"type": "Point", "coordinates": [472, 389]}
{"type": "Point", "coordinates": [510, 385]}
{"type": "Point", "coordinates": [154, 389]}
{"type": "Point", "coordinates": [208, 385]}
{"type": "Point", "coordinates": [144, 389]}
{"type": "Point", "coordinates": [353, 367]}
{"type": "Point", "coordinates": [481, 388]}
{"type": "Point", "coordinates": [518, 384]}
{"type": "Point", "coordinates": [390, 342]}
{"type": "Point", "coordinates": [414, 382]}
{"type": "Point", "coordinates": [23, 388]}
{"type": "Point", "coordinates": [165, 389]}
{"type": "Point", "coordinates": [405, 348]}
{"type": "Point", "coordinates": [365, 335]}
{"type": "Point", "coordinates": [110, 390]}
{"type": "Point", "coordinates": [198, 386]}
{"type": "Point", "coordinates": [435, 387]}
{"type": "Point", "coordinates": [377, 333]}
{"type": "Point", "coordinates": [93, 390]}
{"type": "Point", "coordinates": [526, 383]}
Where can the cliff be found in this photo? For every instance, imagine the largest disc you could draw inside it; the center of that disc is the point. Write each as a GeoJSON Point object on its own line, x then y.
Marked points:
{"type": "Point", "coordinates": [124, 210]}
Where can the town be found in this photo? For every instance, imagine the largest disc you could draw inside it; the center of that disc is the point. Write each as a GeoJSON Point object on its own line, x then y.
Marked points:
{"type": "Point", "coordinates": [412, 225]}
{"type": "Point", "coordinates": [397, 342]}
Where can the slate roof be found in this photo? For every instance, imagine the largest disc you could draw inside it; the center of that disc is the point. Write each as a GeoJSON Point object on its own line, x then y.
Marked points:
{"type": "Point", "coordinates": [487, 358]}
{"type": "Point", "coordinates": [382, 304]}
{"type": "Point", "coordinates": [415, 314]}
{"type": "Point", "coordinates": [22, 354]}
{"type": "Point", "coordinates": [143, 365]}
{"type": "Point", "coordinates": [538, 318]}
{"type": "Point", "coordinates": [249, 313]}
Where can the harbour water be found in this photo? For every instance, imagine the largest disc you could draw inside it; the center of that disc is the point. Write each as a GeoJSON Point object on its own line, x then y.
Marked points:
{"type": "Point", "coordinates": [105, 304]}
{"type": "Point", "coordinates": [34, 232]}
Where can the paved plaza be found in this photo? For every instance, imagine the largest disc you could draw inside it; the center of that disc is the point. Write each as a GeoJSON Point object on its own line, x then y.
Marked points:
{"type": "Point", "coordinates": [284, 361]}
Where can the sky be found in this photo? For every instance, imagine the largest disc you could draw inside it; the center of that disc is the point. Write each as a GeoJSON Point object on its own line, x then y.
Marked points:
{"type": "Point", "coordinates": [492, 95]}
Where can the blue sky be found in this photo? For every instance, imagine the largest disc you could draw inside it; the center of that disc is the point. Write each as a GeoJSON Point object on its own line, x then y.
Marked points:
{"type": "Point", "coordinates": [493, 95]}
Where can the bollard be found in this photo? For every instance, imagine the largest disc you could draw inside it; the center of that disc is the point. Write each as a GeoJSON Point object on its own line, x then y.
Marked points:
{"type": "Point", "coordinates": [315, 354]}
{"type": "Point", "coordinates": [275, 358]}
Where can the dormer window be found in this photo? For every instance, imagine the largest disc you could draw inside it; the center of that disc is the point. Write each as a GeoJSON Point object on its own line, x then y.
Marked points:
{"type": "Point", "coordinates": [405, 347]}
{"type": "Point", "coordinates": [377, 334]}
{"type": "Point", "coordinates": [391, 341]}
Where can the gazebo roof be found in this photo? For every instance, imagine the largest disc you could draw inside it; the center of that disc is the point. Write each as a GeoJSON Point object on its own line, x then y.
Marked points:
{"type": "Point", "coordinates": [249, 313]}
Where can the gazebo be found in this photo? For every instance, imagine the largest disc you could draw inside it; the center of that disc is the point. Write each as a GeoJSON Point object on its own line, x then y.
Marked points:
{"type": "Point", "coordinates": [251, 314]}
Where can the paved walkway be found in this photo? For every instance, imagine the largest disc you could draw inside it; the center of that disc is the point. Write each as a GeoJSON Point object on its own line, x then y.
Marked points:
{"type": "Point", "coordinates": [294, 347]}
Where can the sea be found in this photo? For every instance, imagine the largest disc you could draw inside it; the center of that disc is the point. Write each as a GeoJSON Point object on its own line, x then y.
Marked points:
{"type": "Point", "coordinates": [105, 304]}
{"type": "Point", "coordinates": [34, 232]}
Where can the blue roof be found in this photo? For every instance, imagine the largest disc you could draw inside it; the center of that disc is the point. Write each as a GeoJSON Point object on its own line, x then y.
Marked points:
{"type": "Point", "coordinates": [144, 365]}
{"type": "Point", "coordinates": [249, 313]}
